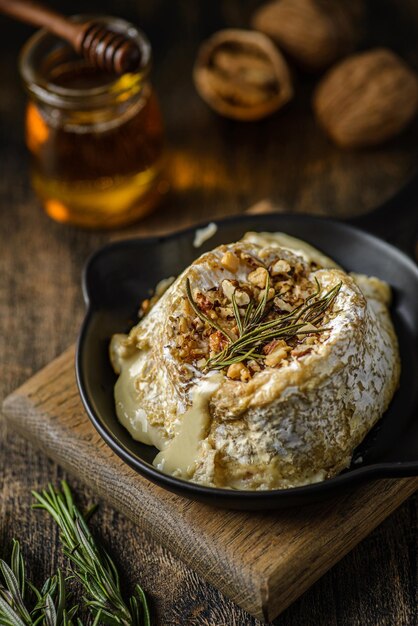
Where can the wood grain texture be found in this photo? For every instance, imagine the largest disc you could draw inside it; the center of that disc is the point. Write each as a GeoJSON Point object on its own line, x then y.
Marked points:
{"type": "Point", "coordinates": [261, 561]}
{"type": "Point", "coordinates": [217, 167]}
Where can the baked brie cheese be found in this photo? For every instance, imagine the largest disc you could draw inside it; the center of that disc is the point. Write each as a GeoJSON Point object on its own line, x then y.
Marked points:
{"type": "Point", "coordinates": [262, 366]}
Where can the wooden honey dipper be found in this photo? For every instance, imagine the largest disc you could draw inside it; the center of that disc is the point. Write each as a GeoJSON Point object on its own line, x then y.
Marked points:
{"type": "Point", "coordinates": [100, 46]}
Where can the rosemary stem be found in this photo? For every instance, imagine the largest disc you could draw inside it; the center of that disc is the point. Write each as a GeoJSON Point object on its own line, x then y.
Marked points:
{"type": "Point", "coordinates": [255, 333]}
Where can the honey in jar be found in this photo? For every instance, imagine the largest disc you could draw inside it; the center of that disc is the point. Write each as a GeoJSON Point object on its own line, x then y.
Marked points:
{"type": "Point", "coordinates": [95, 139]}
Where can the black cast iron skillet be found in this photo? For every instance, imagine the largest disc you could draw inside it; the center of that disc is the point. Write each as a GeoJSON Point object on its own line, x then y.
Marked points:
{"type": "Point", "coordinates": [120, 275]}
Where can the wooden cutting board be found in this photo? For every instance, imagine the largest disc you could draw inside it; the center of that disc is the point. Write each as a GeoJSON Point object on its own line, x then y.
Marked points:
{"type": "Point", "coordinates": [262, 561]}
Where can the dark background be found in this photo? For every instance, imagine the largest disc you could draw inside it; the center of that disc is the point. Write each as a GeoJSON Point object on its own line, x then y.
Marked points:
{"type": "Point", "coordinates": [217, 167]}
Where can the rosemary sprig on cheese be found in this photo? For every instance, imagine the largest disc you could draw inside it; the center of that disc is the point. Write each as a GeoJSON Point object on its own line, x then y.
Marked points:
{"type": "Point", "coordinates": [255, 331]}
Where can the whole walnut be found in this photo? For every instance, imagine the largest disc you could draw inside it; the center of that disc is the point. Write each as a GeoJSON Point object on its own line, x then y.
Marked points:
{"type": "Point", "coordinates": [242, 75]}
{"type": "Point", "coordinates": [314, 32]}
{"type": "Point", "coordinates": [366, 99]}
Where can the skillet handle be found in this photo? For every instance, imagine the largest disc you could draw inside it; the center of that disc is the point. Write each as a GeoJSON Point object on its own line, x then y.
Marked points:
{"type": "Point", "coordinates": [396, 220]}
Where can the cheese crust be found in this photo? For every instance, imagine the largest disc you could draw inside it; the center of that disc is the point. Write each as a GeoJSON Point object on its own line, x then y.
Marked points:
{"type": "Point", "coordinates": [290, 419]}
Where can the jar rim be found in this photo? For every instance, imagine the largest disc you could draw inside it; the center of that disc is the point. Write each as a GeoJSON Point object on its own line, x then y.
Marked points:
{"type": "Point", "coordinates": [47, 91]}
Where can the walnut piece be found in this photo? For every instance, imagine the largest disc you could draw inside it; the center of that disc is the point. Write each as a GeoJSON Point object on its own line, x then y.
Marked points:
{"type": "Point", "coordinates": [314, 32]}
{"type": "Point", "coordinates": [276, 351]}
{"type": "Point", "coordinates": [280, 267]}
{"type": "Point", "coordinates": [241, 297]}
{"type": "Point", "coordinates": [258, 277]}
{"type": "Point", "coordinates": [228, 288]}
{"type": "Point", "coordinates": [242, 75]}
{"type": "Point", "coordinates": [366, 99]}
{"type": "Point", "coordinates": [270, 294]}
{"type": "Point", "coordinates": [238, 371]}
{"type": "Point", "coordinates": [282, 305]}
{"type": "Point", "coordinates": [230, 261]}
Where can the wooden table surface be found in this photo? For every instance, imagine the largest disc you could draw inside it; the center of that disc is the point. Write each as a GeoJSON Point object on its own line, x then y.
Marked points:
{"type": "Point", "coordinates": [217, 168]}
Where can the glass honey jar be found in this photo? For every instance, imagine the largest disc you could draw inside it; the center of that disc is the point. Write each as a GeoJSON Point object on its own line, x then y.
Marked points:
{"type": "Point", "coordinates": [95, 139]}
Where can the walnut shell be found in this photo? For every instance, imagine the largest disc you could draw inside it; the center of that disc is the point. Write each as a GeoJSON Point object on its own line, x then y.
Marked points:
{"type": "Point", "coordinates": [242, 75]}
{"type": "Point", "coordinates": [314, 32]}
{"type": "Point", "coordinates": [366, 99]}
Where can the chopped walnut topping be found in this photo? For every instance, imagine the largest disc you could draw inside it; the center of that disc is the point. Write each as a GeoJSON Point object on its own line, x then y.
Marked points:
{"type": "Point", "coordinates": [183, 325]}
{"type": "Point", "coordinates": [245, 375]}
{"type": "Point", "coordinates": [251, 260]}
{"type": "Point", "coordinates": [228, 288]}
{"type": "Point", "coordinates": [197, 352]}
{"type": "Point", "coordinates": [226, 312]}
{"type": "Point", "coordinates": [264, 253]}
{"type": "Point", "coordinates": [230, 261]}
{"type": "Point", "coordinates": [203, 302]}
{"type": "Point", "coordinates": [254, 366]}
{"type": "Point", "coordinates": [238, 371]}
{"type": "Point", "coordinates": [217, 341]}
{"type": "Point", "coordinates": [270, 295]}
{"type": "Point", "coordinates": [302, 291]}
{"type": "Point", "coordinates": [258, 277]}
{"type": "Point", "coordinates": [241, 297]}
{"type": "Point", "coordinates": [278, 354]}
{"type": "Point", "coordinates": [280, 267]}
{"type": "Point", "coordinates": [187, 309]}
{"type": "Point", "coordinates": [274, 344]}
{"type": "Point", "coordinates": [282, 305]}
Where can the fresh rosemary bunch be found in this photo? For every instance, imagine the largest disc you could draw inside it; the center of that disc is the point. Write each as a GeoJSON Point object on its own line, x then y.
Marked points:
{"type": "Point", "coordinates": [22, 604]}
{"type": "Point", "coordinates": [49, 605]}
{"type": "Point", "coordinates": [91, 564]}
{"type": "Point", "coordinates": [255, 331]}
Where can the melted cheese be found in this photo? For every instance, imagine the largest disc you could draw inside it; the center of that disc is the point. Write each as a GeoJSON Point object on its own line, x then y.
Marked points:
{"type": "Point", "coordinates": [128, 409]}
{"type": "Point", "coordinates": [184, 451]}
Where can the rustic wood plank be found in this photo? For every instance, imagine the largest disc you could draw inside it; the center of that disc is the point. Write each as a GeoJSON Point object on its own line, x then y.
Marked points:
{"type": "Point", "coordinates": [261, 561]}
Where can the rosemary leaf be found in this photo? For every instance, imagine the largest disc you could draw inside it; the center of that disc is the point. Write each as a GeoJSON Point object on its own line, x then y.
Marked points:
{"type": "Point", "coordinates": [237, 314]}
{"type": "Point", "coordinates": [248, 314]}
{"type": "Point", "coordinates": [17, 565]}
{"type": "Point", "coordinates": [140, 595]}
{"type": "Point", "coordinates": [12, 593]}
{"type": "Point", "coordinates": [9, 617]}
{"type": "Point", "coordinates": [259, 312]}
{"type": "Point", "coordinates": [50, 612]}
{"type": "Point", "coordinates": [62, 596]}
